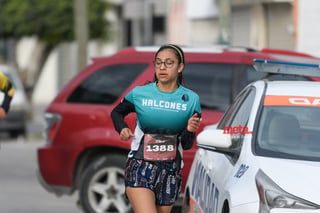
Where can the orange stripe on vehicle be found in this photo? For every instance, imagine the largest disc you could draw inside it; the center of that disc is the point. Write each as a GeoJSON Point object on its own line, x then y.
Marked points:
{"type": "Point", "coordinates": [291, 101]}
{"type": "Point", "coordinates": [193, 207]}
{"type": "Point", "coordinates": [192, 203]}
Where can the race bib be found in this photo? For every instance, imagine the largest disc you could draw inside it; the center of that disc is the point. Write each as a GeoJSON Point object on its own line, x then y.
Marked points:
{"type": "Point", "coordinates": [159, 147]}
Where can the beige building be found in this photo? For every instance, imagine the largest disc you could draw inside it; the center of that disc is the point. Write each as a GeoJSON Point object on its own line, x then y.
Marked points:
{"type": "Point", "coordinates": [280, 24]}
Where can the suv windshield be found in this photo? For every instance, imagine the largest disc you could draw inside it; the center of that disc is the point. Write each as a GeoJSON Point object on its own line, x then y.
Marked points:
{"type": "Point", "coordinates": [289, 132]}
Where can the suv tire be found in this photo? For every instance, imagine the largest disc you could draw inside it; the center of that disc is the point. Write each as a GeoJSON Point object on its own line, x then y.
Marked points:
{"type": "Point", "coordinates": [102, 187]}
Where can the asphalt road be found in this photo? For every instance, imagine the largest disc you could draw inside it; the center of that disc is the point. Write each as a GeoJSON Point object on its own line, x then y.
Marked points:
{"type": "Point", "coordinates": [20, 191]}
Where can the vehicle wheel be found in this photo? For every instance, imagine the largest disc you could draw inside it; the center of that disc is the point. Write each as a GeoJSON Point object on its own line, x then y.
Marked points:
{"type": "Point", "coordinates": [102, 187]}
{"type": "Point", "coordinates": [185, 205]}
{"type": "Point", "coordinates": [225, 208]}
{"type": "Point", "coordinates": [14, 134]}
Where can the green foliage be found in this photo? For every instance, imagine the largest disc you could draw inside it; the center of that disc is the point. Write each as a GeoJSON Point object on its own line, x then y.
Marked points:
{"type": "Point", "coordinates": [51, 20]}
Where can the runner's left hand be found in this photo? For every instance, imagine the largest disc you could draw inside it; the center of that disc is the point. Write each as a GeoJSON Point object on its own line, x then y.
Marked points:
{"type": "Point", "coordinates": [193, 123]}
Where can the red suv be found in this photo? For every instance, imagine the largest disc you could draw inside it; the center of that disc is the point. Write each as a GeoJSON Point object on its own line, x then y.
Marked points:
{"type": "Point", "coordinates": [84, 152]}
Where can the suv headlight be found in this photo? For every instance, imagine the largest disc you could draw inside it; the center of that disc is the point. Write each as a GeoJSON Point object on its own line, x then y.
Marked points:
{"type": "Point", "coordinates": [272, 196]}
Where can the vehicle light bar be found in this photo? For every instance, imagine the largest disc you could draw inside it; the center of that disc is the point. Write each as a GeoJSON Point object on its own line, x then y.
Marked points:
{"type": "Point", "coordinates": [287, 68]}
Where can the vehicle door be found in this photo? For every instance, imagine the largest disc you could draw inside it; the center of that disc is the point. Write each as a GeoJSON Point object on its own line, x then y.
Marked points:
{"type": "Point", "coordinates": [223, 168]}
{"type": "Point", "coordinates": [96, 95]}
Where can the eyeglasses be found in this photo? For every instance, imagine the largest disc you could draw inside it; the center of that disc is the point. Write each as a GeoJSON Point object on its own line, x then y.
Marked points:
{"type": "Point", "coordinates": [167, 63]}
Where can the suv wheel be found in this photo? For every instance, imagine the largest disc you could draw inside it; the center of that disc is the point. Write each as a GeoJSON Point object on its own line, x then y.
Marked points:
{"type": "Point", "coordinates": [102, 187]}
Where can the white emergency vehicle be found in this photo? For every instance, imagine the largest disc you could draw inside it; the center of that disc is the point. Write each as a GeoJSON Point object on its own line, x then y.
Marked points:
{"type": "Point", "coordinates": [264, 154]}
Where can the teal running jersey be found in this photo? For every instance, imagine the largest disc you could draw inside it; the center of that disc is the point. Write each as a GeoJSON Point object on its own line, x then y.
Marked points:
{"type": "Point", "coordinates": [158, 112]}
{"type": "Point", "coordinates": [163, 112]}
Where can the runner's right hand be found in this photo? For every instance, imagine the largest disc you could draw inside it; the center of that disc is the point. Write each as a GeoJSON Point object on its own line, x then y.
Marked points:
{"type": "Point", "coordinates": [126, 134]}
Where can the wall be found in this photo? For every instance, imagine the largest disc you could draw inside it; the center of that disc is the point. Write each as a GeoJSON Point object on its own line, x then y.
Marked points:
{"type": "Point", "coordinates": [308, 30]}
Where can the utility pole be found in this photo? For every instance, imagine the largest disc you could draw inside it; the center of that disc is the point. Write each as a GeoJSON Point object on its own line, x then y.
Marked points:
{"type": "Point", "coordinates": [147, 20]}
{"type": "Point", "coordinates": [81, 31]}
{"type": "Point", "coordinates": [225, 22]}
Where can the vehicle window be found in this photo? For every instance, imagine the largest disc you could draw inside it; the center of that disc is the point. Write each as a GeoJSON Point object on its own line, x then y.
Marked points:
{"type": "Point", "coordinates": [240, 119]}
{"type": "Point", "coordinates": [234, 121]}
{"type": "Point", "coordinates": [253, 75]}
{"type": "Point", "coordinates": [230, 111]}
{"type": "Point", "coordinates": [107, 84]}
{"type": "Point", "coordinates": [212, 82]}
{"type": "Point", "coordinates": [234, 108]}
{"type": "Point", "coordinates": [289, 132]}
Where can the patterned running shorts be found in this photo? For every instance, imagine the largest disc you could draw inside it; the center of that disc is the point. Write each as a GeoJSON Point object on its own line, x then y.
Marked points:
{"type": "Point", "coordinates": [160, 177]}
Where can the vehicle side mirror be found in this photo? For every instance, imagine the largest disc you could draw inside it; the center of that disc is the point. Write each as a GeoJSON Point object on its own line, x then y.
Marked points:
{"type": "Point", "coordinates": [216, 140]}
{"type": "Point", "coordinates": [213, 137]}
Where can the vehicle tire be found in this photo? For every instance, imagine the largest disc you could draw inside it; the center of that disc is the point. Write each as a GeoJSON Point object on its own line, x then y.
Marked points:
{"type": "Point", "coordinates": [102, 187]}
{"type": "Point", "coordinates": [14, 134]}
{"type": "Point", "coordinates": [186, 205]}
{"type": "Point", "coordinates": [17, 132]}
{"type": "Point", "coordinates": [225, 208]}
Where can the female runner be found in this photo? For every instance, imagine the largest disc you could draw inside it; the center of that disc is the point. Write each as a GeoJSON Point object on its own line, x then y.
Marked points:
{"type": "Point", "coordinates": [168, 115]}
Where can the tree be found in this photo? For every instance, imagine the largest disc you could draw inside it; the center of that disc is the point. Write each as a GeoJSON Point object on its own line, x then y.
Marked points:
{"type": "Point", "coordinates": [52, 22]}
